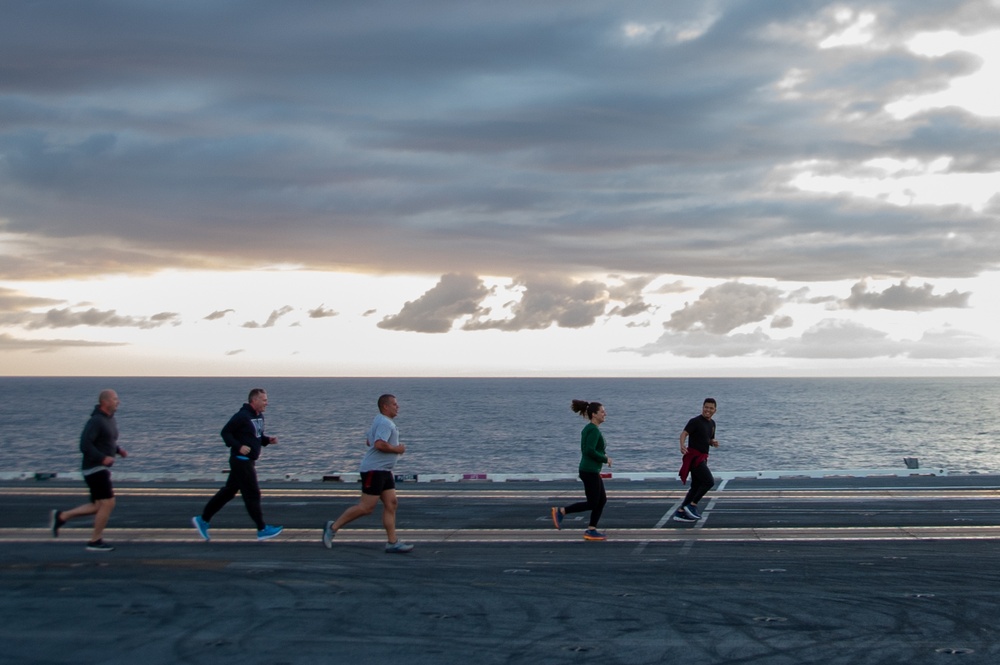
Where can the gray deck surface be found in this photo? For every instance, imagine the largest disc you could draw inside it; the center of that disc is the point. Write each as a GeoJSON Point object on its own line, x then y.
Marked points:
{"type": "Point", "coordinates": [796, 570]}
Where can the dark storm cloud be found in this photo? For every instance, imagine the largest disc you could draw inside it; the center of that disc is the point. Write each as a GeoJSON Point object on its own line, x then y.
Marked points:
{"type": "Point", "coordinates": [477, 138]}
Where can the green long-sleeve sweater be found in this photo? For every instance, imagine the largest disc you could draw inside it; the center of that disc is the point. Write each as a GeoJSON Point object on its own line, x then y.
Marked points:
{"type": "Point", "coordinates": [592, 456]}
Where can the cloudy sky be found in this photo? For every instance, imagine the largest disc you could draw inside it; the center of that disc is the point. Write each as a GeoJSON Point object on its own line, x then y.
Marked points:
{"type": "Point", "coordinates": [718, 188]}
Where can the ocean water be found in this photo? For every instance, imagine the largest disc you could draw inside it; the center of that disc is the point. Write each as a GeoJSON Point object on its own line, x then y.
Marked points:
{"type": "Point", "coordinates": [511, 425]}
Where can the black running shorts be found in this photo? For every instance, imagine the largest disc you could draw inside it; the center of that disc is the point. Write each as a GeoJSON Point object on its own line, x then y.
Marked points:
{"type": "Point", "coordinates": [99, 483]}
{"type": "Point", "coordinates": [376, 482]}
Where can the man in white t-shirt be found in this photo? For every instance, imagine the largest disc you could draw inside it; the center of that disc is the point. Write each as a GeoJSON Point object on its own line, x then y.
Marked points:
{"type": "Point", "coordinates": [377, 480]}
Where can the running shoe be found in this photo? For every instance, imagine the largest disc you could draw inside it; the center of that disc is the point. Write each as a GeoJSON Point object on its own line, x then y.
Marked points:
{"type": "Point", "coordinates": [681, 516]}
{"type": "Point", "coordinates": [691, 511]}
{"type": "Point", "coordinates": [557, 517]}
{"type": "Point", "coordinates": [269, 532]}
{"type": "Point", "coordinates": [99, 546]}
{"type": "Point", "coordinates": [398, 547]}
{"type": "Point", "coordinates": [55, 523]}
{"type": "Point", "coordinates": [328, 534]}
{"type": "Point", "coordinates": [202, 526]}
{"type": "Point", "coordinates": [593, 534]}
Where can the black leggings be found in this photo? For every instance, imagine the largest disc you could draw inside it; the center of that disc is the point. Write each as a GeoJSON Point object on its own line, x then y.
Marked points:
{"type": "Point", "coordinates": [593, 487]}
{"type": "Point", "coordinates": [702, 480]}
{"type": "Point", "coordinates": [243, 480]}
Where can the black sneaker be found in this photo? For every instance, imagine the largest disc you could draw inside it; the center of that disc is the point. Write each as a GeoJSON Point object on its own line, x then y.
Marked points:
{"type": "Point", "coordinates": [99, 546]}
{"type": "Point", "coordinates": [681, 516]}
{"type": "Point", "coordinates": [55, 523]}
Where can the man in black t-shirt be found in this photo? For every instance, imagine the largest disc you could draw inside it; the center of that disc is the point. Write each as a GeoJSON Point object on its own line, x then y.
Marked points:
{"type": "Point", "coordinates": [696, 439]}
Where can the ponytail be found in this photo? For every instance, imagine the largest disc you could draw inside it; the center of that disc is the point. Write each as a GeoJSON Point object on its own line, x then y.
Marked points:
{"type": "Point", "coordinates": [584, 408]}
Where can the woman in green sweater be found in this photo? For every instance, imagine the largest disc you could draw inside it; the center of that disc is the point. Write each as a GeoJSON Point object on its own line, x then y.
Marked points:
{"type": "Point", "coordinates": [592, 458]}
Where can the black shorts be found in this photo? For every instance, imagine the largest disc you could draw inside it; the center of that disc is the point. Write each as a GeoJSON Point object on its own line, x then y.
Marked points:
{"type": "Point", "coordinates": [376, 482]}
{"type": "Point", "coordinates": [99, 483]}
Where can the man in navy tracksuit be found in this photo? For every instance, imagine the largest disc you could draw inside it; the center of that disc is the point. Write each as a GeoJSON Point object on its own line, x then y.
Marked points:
{"type": "Point", "coordinates": [244, 435]}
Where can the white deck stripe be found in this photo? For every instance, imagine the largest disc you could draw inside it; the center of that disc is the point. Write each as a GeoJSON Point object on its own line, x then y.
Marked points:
{"type": "Point", "coordinates": [680, 534]}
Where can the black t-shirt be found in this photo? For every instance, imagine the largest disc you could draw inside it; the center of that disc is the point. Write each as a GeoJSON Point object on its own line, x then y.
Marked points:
{"type": "Point", "coordinates": [700, 431]}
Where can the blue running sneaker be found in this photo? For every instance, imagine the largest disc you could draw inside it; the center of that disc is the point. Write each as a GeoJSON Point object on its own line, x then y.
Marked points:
{"type": "Point", "coordinates": [99, 546]}
{"type": "Point", "coordinates": [202, 526]}
{"type": "Point", "coordinates": [691, 511]}
{"type": "Point", "coordinates": [593, 534]}
{"type": "Point", "coordinates": [557, 517]}
{"type": "Point", "coordinates": [398, 547]}
{"type": "Point", "coordinates": [328, 534]}
{"type": "Point", "coordinates": [681, 516]}
{"type": "Point", "coordinates": [269, 532]}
